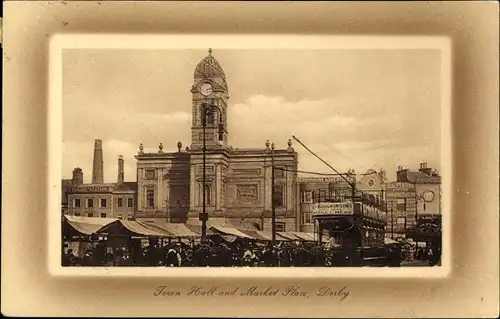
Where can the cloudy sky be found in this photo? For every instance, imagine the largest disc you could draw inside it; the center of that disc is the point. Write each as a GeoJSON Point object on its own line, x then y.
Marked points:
{"type": "Point", "coordinates": [357, 109]}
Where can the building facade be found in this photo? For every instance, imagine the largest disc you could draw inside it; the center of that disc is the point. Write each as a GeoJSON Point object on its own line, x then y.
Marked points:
{"type": "Point", "coordinates": [238, 184]}
{"type": "Point", "coordinates": [401, 208]}
{"type": "Point", "coordinates": [427, 183]}
{"type": "Point", "coordinates": [415, 194]}
{"type": "Point", "coordinates": [99, 199]}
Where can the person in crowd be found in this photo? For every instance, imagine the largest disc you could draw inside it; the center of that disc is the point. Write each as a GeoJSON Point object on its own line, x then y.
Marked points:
{"type": "Point", "coordinates": [173, 257]}
{"type": "Point", "coordinates": [202, 255]}
{"type": "Point", "coordinates": [87, 258]}
{"type": "Point", "coordinates": [300, 257]}
{"type": "Point", "coordinates": [69, 259]}
{"type": "Point", "coordinates": [248, 258]}
{"type": "Point", "coordinates": [285, 256]}
{"type": "Point", "coordinates": [108, 260]}
{"type": "Point", "coordinates": [268, 256]}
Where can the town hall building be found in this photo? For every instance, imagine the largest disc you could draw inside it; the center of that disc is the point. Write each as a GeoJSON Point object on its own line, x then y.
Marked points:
{"type": "Point", "coordinates": [238, 184]}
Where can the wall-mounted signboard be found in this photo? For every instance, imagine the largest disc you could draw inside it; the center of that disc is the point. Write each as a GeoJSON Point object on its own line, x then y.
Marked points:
{"type": "Point", "coordinates": [92, 189]}
{"type": "Point", "coordinates": [400, 187]}
{"type": "Point", "coordinates": [428, 180]}
{"type": "Point", "coordinates": [344, 208]}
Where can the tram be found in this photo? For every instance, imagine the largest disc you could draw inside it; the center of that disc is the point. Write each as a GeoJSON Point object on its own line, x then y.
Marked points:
{"type": "Point", "coordinates": [355, 228]}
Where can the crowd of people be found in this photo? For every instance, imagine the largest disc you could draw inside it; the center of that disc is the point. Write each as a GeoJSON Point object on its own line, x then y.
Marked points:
{"type": "Point", "coordinates": [217, 253]}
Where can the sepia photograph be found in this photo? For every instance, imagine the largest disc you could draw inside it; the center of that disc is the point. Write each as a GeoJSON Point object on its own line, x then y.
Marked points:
{"type": "Point", "coordinates": [251, 157]}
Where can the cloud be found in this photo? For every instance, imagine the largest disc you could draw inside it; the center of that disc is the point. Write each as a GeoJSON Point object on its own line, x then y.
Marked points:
{"type": "Point", "coordinates": [356, 138]}
{"type": "Point", "coordinates": [354, 108]}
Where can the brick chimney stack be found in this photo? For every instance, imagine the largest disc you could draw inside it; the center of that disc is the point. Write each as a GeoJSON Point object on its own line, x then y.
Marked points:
{"type": "Point", "coordinates": [97, 168]}
{"type": "Point", "coordinates": [424, 169]}
{"type": "Point", "coordinates": [77, 179]}
{"type": "Point", "coordinates": [121, 173]}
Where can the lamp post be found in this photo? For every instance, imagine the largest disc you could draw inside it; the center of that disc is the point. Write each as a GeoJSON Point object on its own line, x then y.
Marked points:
{"type": "Point", "coordinates": [273, 208]}
{"type": "Point", "coordinates": [206, 109]}
{"type": "Point", "coordinates": [418, 198]}
{"type": "Point", "coordinates": [167, 210]}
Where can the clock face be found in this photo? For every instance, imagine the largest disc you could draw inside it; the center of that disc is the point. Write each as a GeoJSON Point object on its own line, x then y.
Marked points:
{"type": "Point", "coordinates": [428, 196]}
{"type": "Point", "coordinates": [206, 89]}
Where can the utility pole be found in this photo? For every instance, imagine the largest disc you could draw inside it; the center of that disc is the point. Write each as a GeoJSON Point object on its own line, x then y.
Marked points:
{"type": "Point", "coordinates": [204, 216]}
{"type": "Point", "coordinates": [392, 223]}
{"type": "Point", "coordinates": [273, 207]}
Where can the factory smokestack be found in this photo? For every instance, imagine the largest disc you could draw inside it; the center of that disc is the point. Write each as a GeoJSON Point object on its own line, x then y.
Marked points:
{"type": "Point", "coordinates": [121, 174]}
{"type": "Point", "coordinates": [97, 169]}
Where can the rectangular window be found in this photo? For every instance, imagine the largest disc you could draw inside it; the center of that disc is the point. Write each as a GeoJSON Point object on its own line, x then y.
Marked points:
{"type": "Point", "coordinates": [280, 227]}
{"type": "Point", "coordinates": [401, 204]}
{"type": "Point", "coordinates": [103, 215]}
{"type": "Point", "coordinates": [150, 197]}
{"type": "Point", "coordinates": [336, 195]}
{"type": "Point", "coordinates": [130, 202]}
{"type": "Point", "coordinates": [119, 202]}
{"type": "Point", "coordinates": [119, 216]}
{"type": "Point", "coordinates": [322, 195]}
{"type": "Point", "coordinates": [77, 214]}
{"type": "Point", "coordinates": [307, 218]}
{"type": "Point", "coordinates": [307, 197]}
{"type": "Point", "coordinates": [278, 196]}
{"type": "Point", "coordinates": [130, 217]}
{"type": "Point", "coordinates": [150, 174]}
{"type": "Point", "coordinates": [77, 202]}
{"type": "Point", "coordinates": [90, 202]}
{"type": "Point", "coordinates": [90, 214]}
{"type": "Point", "coordinates": [103, 202]}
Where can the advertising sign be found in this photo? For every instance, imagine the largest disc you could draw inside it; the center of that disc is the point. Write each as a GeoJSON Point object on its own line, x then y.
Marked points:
{"type": "Point", "coordinates": [400, 190]}
{"type": "Point", "coordinates": [92, 189]}
{"type": "Point", "coordinates": [400, 187]}
{"type": "Point", "coordinates": [344, 208]}
{"type": "Point", "coordinates": [428, 180]}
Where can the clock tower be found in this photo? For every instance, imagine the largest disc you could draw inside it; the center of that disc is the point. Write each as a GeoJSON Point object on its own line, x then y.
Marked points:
{"type": "Point", "coordinates": [209, 88]}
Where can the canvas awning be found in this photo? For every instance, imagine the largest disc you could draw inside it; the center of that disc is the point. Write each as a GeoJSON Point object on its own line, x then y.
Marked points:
{"type": "Point", "coordinates": [197, 229]}
{"type": "Point", "coordinates": [174, 229]}
{"type": "Point", "coordinates": [304, 236]}
{"type": "Point", "coordinates": [254, 234]}
{"type": "Point", "coordinates": [84, 226]}
{"type": "Point", "coordinates": [268, 235]}
{"type": "Point", "coordinates": [133, 228]}
{"type": "Point", "coordinates": [288, 235]}
{"type": "Point", "coordinates": [231, 231]}
{"type": "Point", "coordinates": [240, 225]}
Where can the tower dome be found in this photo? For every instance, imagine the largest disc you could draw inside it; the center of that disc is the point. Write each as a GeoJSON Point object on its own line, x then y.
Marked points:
{"type": "Point", "coordinates": [209, 68]}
